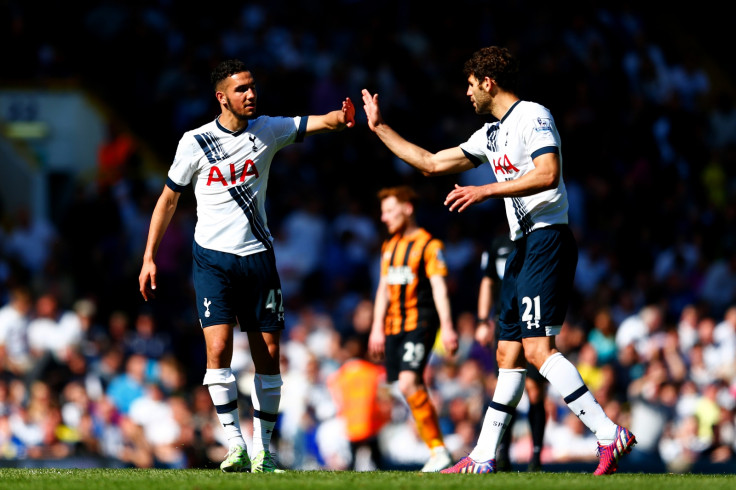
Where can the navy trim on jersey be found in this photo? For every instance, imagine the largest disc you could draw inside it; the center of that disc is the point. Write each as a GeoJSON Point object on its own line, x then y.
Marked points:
{"type": "Point", "coordinates": [473, 159]}
{"type": "Point", "coordinates": [302, 131]}
{"type": "Point", "coordinates": [509, 111]}
{"type": "Point", "coordinates": [522, 216]}
{"type": "Point", "coordinates": [211, 147]}
{"type": "Point", "coordinates": [545, 150]}
{"type": "Point", "coordinates": [173, 185]}
{"type": "Point", "coordinates": [225, 130]}
{"type": "Point", "coordinates": [247, 202]}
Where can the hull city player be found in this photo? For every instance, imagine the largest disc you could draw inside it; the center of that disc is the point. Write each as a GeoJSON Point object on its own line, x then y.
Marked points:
{"type": "Point", "coordinates": [227, 161]}
{"type": "Point", "coordinates": [411, 304]}
{"type": "Point", "coordinates": [524, 150]}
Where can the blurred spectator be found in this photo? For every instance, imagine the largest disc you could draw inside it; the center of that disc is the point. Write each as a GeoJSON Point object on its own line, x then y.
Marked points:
{"type": "Point", "coordinates": [722, 122]}
{"type": "Point", "coordinates": [653, 398]}
{"type": "Point", "coordinates": [569, 440]}
{"type": "Point", "coordinates": [15, 353]}
{"type": "Point", "coordinates": [714, 353]}
{"type": "Point", "coordinates": [306, 403]}
{"type": "Point", "coordinates": [593, 267]}
{"type": "Point", "coordinates": [301, 242]}
{"type": "Point", "coordinates": [31, 241]}
{"type": "Point", "coordinates": [642, 330]}
{"type": "Point", "coordinates": [687, 327]}
{"type": "Point", "coordinates": [708, 415]}
{"type": "Point", "coordinates": [126, 387]}
{"type": "Point", "coordinates": [116, 156]}
{"type": "Point", "coordinates": [673, 357]}
{"type": "Point", "coordinates": [690, 81]}
{"type": "Point", "coordinates": [171, 376]}
{"type": "Point", "coordinates": [681, 447]}
{"type": "Point", "coordinates": [647, 70]}
{"type": "Point", "coordinates": [53, 331]}
{"type": "Point", "coordinates": [146, 339]}
{"type": "Point", "coordinates": [589, 369]}
{"type": "Point", "coordinates": [359, 393]}
{"type": "Point", "coordinates": [153, 413]}
{"type": "Point", "coordinates": [103, 370]}
{"type": "Point", "coordinates": [603, 336]}
{"type": "Point", "coordinates": [205, 424]}
{"type": "Point", "coordinates": [724, 335]}
{"type": "Point", "coordinates": [698, 370]}
{"type": "Point", "coordinates": [94, 336]}
{"type": "Point", "coordinates": [719, 284]}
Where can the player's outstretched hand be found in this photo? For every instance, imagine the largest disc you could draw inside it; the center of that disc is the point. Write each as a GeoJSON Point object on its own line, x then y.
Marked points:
{"type": "Point", "coordinates": [349, 110]}
{"type": "Point", "coordinates": [462, 197]}
{"type": "Point", "coordinates": [372, 111]}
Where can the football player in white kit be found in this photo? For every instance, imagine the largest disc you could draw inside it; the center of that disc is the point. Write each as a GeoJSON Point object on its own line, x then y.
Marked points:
{"type": "Point", "coordinates": [227, 161]}
{"type": "Point", "coordinates": [524, 150]}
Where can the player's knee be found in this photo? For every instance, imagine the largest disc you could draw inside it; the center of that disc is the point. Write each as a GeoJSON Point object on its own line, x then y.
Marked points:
{"type": "Point", "coordinates": [408, 383]}
{"type": "Point", "coordinates": [217, 349]}
{"type": "Point", "coordinates": [510, 358]}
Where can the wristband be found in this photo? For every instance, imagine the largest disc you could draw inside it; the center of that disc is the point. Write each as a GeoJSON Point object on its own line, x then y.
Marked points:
{"type": "Point", "coordinates": [481, 320]}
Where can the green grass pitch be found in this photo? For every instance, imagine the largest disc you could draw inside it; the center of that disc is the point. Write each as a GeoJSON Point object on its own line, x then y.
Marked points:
{"type": "Point", "coordinates": [74, 479]}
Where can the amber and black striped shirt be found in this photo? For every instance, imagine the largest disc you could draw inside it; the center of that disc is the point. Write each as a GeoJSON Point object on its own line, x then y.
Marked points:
{"type": "Point", "coordinates": [407, 263]}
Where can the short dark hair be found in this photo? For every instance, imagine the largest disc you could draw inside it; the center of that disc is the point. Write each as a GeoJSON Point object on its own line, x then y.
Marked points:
{"type": "Point", "coordinates": [496, 63]}
{"type": "Point", "coordinates": [402, 193]}
{"type": "Point", "coordinates": [225, 69]}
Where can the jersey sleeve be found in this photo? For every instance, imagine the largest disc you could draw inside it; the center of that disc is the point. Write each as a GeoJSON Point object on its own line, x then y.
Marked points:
{"type": "Point", "coordinates": [185, 163]}
{"type": "Point", "coordinates": [434, 258]}
{"type": "Point", "coordinates": [539, 132]}
{"type": "Point", "coordinates": [475, 147]}
{"type": "Point", "coordinates": [288, 130]}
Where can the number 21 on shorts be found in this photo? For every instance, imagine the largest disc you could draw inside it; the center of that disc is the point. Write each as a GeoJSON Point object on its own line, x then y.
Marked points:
{"type": "Point", "coordinates": [532, 311]}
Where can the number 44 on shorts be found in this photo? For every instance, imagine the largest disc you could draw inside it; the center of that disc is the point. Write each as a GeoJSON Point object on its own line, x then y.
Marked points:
{"type": "Point", "coordinates": [275, 302]}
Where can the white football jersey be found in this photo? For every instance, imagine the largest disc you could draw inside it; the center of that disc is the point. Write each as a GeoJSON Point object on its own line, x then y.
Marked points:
{"type": "Point", "coordinates": [510, 145]}
{"type": "Point", "coordinates": [229, 172]}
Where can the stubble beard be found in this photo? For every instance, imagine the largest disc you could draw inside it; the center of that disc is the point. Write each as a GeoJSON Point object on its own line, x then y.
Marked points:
{"type": "Point", "coordinates": [237, 115]}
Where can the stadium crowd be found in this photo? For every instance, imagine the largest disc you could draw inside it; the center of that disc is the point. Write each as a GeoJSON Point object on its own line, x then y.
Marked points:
{"type": "Point", "coordinates": [87, 369]}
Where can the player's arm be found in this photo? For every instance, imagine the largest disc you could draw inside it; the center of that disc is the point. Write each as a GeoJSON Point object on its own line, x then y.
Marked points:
{"type": "Point", "coordinates": [449, 161]}
{"type": "Point", "coordinates": [377, 338]}
{"type": "Point", "coordinates": [544, 176]}
{"type": "Point", "coordinates": [448, 336]}
{"type": "Point", "coordinates": [162, 214]}
{"type": "Point", "coordinates": [485, 324]}
{"type": "Point", "coordinates": [332, 121]}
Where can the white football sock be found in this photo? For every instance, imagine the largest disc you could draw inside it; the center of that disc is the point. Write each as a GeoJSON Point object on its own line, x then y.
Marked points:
{"type": "Point", "coordinates": [266, 398]}
{"type": "Point", "coordinates": [224, 393]}
{"type": "Point", "coordinates": [565, 378]}
{"type": "Point", "coordinates": [509, 389]}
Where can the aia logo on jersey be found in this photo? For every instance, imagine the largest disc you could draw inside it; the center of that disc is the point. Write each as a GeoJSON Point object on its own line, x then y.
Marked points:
{"type": "Point", "coordinates": [216, 174]}
{"type": "Point", "coordinates": [503, 165]}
